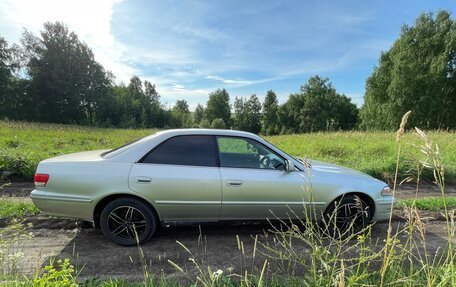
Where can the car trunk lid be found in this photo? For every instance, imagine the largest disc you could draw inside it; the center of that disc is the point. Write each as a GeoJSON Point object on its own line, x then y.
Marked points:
{"type": "Point", "coordinates": [79, 156]}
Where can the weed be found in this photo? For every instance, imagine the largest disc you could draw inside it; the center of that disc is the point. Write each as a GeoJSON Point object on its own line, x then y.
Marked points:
{"type": "Point", "coordinates": [12, 208]}
{"type": "Point", "coordinates": [428, 203]}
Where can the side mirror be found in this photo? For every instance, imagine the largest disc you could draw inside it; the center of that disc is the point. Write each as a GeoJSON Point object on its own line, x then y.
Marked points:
{"type": "Point", "coordinates": [289, 166]}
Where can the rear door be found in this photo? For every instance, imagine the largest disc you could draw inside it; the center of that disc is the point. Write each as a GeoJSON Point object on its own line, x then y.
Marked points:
{"type": "Point", "coordinates": [182, 178]}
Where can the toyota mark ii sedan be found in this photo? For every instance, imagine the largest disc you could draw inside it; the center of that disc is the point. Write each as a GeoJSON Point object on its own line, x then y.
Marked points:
{"type": "Point", "coordinates": [202, 175]}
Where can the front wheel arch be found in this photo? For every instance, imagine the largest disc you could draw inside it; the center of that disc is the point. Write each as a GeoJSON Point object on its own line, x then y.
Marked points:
{"type": "Point", "coordinates": [366, 198]}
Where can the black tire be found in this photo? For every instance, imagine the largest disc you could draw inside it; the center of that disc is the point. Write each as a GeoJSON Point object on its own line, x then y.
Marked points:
{"type": "Point", "coordinates": [346, 216]}
{"type": "Point", "coordinates": [128, 221]}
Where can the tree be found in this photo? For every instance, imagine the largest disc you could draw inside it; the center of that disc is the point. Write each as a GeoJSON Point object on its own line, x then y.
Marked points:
{"type": "Point", "coordinates": [205, 124]}
{"type": "Point", "coordinates": [181, 116]}
{"type": "Point", "coordinates": [218, 124]}
{"type": "Point", "coordinates": [418, 73]}
{"type": "Point", "coordinates": [270, 119]}
{"type": "Point", "coordinates": [157, 113]}
{"type": "Point", "coordinates": [318, 107]}
{"type": "Point", "coordinates": [199, 114]}
{"type": "Point", "coordinates": [240, 119]}
{"type": "Point", "coordinates": [247, 114]}
{"type": "Point", "coordinates": [181, 106]}
{"type": "Point", "coordinates": [7, 80]}
{"type": "Point", "coordinates": [65, 80]}
{"type": "Point", "coordinates": [152, 94]}
{"type": "Point", "coordinates": [138, 106]}
{"type": "Point", "coordinates": [218, 106]}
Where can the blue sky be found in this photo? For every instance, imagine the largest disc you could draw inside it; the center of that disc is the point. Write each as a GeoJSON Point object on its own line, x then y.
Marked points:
{"type": "Point", "coordinates": [189, 48]}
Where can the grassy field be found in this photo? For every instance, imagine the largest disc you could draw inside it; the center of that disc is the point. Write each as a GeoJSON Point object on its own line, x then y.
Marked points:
{"type": "Point", "coordinates": [429, 203]}
{"type": "Point", "coordinates": [16, 208]}
{"type": "Point", "coordinates": [23, 145]}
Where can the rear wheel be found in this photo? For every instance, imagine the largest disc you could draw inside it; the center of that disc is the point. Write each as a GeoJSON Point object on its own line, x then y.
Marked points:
{"type": "Point", "coordinates": [128, 221]}
{"type": "Point", "coordinates": [346, 216]}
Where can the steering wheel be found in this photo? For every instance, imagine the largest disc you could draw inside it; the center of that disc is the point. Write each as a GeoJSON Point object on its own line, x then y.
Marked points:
{"type": "Point", "coordinates": [265, 160]}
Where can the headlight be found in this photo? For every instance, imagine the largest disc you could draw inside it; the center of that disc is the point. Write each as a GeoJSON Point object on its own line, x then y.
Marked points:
{"type": "Point", "coordinates": [386, 191]}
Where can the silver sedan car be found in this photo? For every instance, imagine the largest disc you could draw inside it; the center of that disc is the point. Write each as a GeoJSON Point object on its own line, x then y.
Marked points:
{"type": "Point", "coordinates": [202, 175]}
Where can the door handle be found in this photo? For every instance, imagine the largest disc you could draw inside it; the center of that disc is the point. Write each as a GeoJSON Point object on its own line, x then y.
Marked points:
{"type": "Point", "coordinates": [234, 182]}
{"type": "Point", "coordinates": [143, 179]}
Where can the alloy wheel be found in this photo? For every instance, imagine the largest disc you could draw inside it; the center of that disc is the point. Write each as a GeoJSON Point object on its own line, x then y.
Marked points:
{"type": "Point", "coordinates": [127, 222]}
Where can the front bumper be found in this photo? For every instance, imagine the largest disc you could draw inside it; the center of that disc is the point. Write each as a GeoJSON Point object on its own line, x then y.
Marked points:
{"type": "Point", "coordinates": [383, 208]}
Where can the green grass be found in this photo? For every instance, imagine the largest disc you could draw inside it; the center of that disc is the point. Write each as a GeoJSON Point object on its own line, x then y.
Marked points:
{"type": "Point", "coordinates": [23, 145]}
{"type": "Point", "coordinates": [16, 208]}
{"type": "Point", "coordinates": [371, 152]}
{"type": "Point", "coordinates": [429, 203]}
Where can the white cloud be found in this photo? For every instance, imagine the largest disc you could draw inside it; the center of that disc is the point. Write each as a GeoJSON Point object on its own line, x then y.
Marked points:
{"type": "Point", "coordinates": [91, 20]}
{"type": "Point", "coordinates": [229, 81]}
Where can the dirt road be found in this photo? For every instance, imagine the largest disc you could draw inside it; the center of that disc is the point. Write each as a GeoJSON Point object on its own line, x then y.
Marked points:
{"type": "Point", "coordinates": [95, 256]}
{"type": "Point", "coordinates": [217, 245]}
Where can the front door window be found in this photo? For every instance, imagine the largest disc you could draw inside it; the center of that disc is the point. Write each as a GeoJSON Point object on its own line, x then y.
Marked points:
{"type": "Point", "coordinates": [239, 152]}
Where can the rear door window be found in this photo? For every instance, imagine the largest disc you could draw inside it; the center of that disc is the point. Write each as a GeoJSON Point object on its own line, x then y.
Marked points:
{"type": "Point", "coordinates": [196, 150]}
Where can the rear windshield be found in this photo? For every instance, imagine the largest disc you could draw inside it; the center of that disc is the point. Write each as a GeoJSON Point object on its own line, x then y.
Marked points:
{"type": "Point", "coordinates": [118, 148]}
{"type": "Point", "coordinates": [116, 151]}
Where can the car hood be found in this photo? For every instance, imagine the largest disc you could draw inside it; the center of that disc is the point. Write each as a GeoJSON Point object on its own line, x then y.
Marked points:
{"type": "Point", "coordinates": [320, 166]}
{"type": "Point", "coordinates": [79, 156]}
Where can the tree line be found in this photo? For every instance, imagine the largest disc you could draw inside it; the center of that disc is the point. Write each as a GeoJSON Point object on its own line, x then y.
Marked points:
{"type": "Point", "coordinates": [54, 77]}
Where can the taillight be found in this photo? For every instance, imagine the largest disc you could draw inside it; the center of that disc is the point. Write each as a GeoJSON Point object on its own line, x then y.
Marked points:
{"type": "Point", "coordinates": [41, 179]}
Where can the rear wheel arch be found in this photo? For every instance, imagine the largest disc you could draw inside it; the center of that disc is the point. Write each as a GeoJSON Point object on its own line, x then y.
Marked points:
{"type": "Point", "coordinates": [107, 199]}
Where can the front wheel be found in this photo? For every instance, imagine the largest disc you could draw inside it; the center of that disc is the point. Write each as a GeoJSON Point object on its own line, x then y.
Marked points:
{"type": "Point", "coordinates": [345, 216]}
{"type": "Point", "coordinates": [128, 221]}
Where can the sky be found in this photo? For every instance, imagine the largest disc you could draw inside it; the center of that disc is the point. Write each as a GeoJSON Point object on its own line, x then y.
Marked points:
{"type": "Point", "coordinates": [190, 48]}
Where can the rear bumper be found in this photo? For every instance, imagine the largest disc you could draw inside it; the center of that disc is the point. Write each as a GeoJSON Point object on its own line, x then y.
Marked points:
{"type": "Point", "coordinates": [63, 205]}
{"type": "Point", "coordinates": [383, 208]}
{"type": "Point", "coordinates": [39, 199]}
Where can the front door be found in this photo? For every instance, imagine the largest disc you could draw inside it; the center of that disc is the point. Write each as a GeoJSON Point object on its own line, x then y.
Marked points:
{"type": "Point", "coordinates": [182, 178]}
{"type": "Point", "coordinates": [255, 184]}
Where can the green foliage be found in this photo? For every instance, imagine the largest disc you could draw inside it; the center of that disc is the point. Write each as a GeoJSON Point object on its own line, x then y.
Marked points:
{"type": "Point", "coordinates": [199, 114]}
{"type": "Point", "coordinates": [180, 115]}
{"type": "Point", "coordinates": [66, 83]}
{"type": "Point", "coordinates": [247, 114]}
{"type": "Point", "coordinates": [204, 124]}
{"type": "Point", "coordinates": [317, 107]}
{"type": "Point", "coordinates": [8, 65]}
{"type": "Point", "coordinates": [35, 142]}
{"type": "Point", "coordinates": [12, 208]}
{"type": "Point", "coordinates": [218, 107]}
{"type": "Point", "coordinates": [12, 237]}
{"type": "Point", "coordinates": [218, 124]}
{"type": "Point", "coordinates": [428, 203]}
{"type": "Point", "coordinates": [418, 73]}
{"type": "Point", "coordinates": [181, 106]}
{"type": "Point", "coordinates": [371, 152]}
{"type": "Point", "coordinates": [57, 274]}
{"type": "Point", "coordinates": [270, 119]}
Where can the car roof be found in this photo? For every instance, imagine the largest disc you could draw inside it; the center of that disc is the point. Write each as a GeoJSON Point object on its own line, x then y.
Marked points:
{"type": "Point", "coordinates": [175, 132]}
